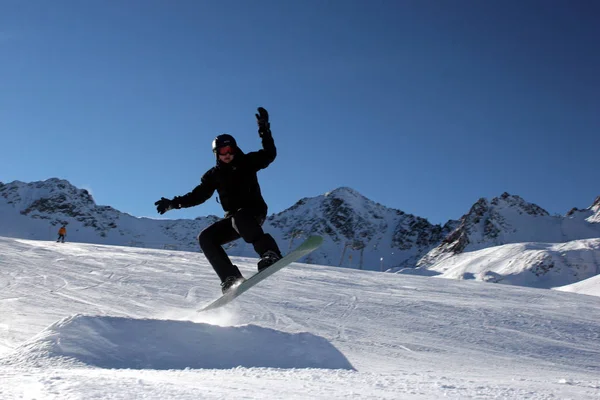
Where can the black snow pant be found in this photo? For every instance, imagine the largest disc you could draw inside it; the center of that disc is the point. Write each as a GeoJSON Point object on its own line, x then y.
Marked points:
{"type": "Point", "coordinates": [61, 238]}
{"type": "Point", "coordinates": [246, 224]}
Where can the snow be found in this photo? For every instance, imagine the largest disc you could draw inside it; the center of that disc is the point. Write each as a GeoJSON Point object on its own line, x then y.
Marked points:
{"type": "Point", "coordinates": [594, 210]}
{"type": "Point", "coordinates": [516, 226]}
{"type": "Point", "coordinates": [353, 226]}
{"type": "Point", "coordinates": [590, 286]}
{"type": "Point", "coordinates": [541, 265]}
{"type": "Point", "coordinates": [84, 321]}
{"type": "Point", "coordinates": [113, 342]}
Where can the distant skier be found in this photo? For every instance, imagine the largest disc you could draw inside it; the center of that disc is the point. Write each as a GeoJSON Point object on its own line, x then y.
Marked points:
{"type": "Point", "coordinates": [62, 233]}
{"type": "Point", "coordinates": [234, 177]}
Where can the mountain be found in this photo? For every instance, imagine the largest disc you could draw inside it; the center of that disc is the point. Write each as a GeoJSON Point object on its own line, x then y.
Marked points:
{"type": "Point", "coordinates": [510, 219]}
{"type": "Point", "coordinates": [590, 214]}
{"type": "Point", "coordinates": [358, 232]}
{"type": "Point", "coordinates": [36, 210]}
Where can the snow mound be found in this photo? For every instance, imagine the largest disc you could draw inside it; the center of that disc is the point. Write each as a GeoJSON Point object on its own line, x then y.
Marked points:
{"type": "Point", "coordinates": [590, 286]}
{"type": "Point", "coordinates": [128, 343]}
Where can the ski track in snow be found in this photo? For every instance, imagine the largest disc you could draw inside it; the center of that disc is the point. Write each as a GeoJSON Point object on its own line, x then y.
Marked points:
{"type": "Point", "coordinates": [84, 321]}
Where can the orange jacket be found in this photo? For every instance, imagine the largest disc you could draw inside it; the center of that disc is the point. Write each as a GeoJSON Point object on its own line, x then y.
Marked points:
{"type": "Point", "coordinates": [62, 231]}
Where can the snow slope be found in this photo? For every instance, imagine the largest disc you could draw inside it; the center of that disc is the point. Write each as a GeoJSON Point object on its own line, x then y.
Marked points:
{"type": "Point", "coordinates": [84, 321]}
{"type": "Point", "coordinates": [541, 265]}
{"type": "Point", "coordinates": [590, 286]}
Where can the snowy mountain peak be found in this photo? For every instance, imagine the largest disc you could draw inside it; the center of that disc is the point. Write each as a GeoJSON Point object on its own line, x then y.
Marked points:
{"type": "Point", "coordinates": [487, 220]}
{"type": "Point", "coordinates": [51, 195]}
{"type": "Point", "coordinates": [508, 219]}
{"type": "Point", "coordinates": [517, 203]}
{"type": "Point", "coordinates": [595, 209]}
{"type": "Point", "coordinates": [596, 205]}
{"type": "Point", "coordinates": [359, 231]}
{"type": "Point", "coordinates": [590, 214]}
{"type": "Point", "coordinates": [343, 191]}
{"type": "Point", "coordinates": [59, 203]}
{"type": "Point", "coordinates": [350, 196]}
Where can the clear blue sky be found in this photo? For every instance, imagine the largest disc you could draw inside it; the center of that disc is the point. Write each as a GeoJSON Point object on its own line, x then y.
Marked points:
{"type": "Point", "coordinates": [424, 106]}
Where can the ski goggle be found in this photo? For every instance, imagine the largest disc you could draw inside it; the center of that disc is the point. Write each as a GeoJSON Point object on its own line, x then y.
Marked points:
{"type": "Point", "coordinates": [225, 150]}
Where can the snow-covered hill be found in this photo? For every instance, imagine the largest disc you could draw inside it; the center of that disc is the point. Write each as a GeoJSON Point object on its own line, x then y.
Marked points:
{"type": "Point", "coordinates": [541, 265]}
{"type": "Point", "coordinates": [590, 286]}
{"type": "Point", "coordinates": [85, 321]}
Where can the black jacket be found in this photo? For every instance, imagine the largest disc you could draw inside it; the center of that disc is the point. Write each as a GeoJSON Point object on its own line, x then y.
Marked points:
{"type": "Point", "coordinates": [236, 182]}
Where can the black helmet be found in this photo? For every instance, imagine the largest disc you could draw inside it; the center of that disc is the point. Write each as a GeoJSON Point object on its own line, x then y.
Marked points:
{"type": "Point", "coordinates": [222, 141]}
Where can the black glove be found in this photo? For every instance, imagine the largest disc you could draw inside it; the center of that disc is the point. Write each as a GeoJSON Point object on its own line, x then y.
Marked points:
{"type": "Point", "coordinates": [163, 205]}
{"type": "Point", "coordinates": [262, 119]}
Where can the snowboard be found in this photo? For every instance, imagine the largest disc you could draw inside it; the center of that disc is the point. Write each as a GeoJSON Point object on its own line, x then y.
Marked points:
{"type": "Point", "coordinates": [309, 245]}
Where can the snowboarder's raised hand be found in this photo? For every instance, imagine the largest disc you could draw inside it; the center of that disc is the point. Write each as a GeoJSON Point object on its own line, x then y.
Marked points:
{"type": "Point", "coordinates": [262, 119]}
{"type": "Point", "coordinates": [163, 205]}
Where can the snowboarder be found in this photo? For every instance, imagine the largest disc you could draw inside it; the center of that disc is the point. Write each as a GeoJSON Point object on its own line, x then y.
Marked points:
{"type": "Point", "coordinates": [62, 232]}
{"type": "Point", "coordinates": [234, 177]}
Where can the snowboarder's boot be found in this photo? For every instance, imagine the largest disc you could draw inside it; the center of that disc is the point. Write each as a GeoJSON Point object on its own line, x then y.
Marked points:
{"type": "Point", "coordinates": [230, 282]}
{"type": "Point", "coordinates": [269, 258]}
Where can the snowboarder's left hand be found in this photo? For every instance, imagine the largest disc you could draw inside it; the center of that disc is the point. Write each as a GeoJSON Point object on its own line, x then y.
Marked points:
{"type": "Point", "coordinates": [262, 119]}
{"type": "Point", "coordinates": [163, 205]}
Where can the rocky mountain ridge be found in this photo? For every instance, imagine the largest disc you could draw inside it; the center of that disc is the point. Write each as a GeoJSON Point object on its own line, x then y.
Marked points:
{"type": "Point", "coordinates": [510, 219]}
{"type": "Point", "coordinates": [358, 232]}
